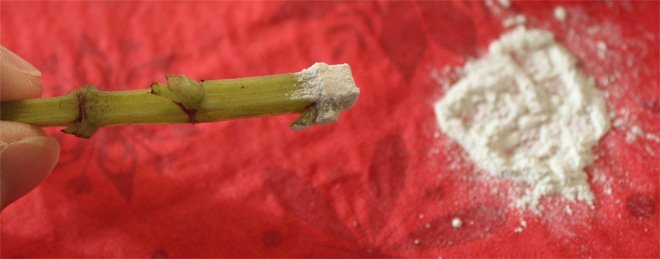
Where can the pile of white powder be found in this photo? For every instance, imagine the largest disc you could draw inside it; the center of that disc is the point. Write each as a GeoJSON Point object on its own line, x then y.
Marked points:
{"type": "Point", "coordinates": [527, 113]}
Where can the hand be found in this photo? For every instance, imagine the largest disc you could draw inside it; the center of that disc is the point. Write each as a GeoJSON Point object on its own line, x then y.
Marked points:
{"type": "Point", "coordinates": [27, 154]}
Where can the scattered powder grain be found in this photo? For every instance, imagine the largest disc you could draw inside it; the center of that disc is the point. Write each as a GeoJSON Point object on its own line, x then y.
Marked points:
{"type": "Point", "coordinates": [560, 13]}
{"type": "Point", "coordinates": [514, 21]}
{"type": "Point", "coordinates": [456, 223]}
{"type": "Point", "coordinates": [504, 3]}
{"type": "Point", "coordinates": [602, 49]}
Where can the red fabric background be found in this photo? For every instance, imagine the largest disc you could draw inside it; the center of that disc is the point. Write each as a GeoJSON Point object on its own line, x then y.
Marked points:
{"type": "Point", "coordinates": [383, 181]}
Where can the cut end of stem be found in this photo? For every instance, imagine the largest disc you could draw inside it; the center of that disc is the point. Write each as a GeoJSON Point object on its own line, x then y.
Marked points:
{"type": "Point", "coordinates": [331, 89]}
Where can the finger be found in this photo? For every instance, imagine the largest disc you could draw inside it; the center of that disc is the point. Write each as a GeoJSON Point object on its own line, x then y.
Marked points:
{"type": "Point", "coordinates": [27, 156]}
{"type": "Point", "coordinates": [18, 78]}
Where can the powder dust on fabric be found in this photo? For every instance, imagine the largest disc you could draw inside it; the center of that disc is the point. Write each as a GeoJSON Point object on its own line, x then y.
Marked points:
{"type": "Point", "coordinates": [527, 113]}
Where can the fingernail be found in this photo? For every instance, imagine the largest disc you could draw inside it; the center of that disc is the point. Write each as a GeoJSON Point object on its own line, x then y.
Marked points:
{"type": "Point", "coordinates": [20, 63]}
{"type": "Point", "coordinates": [25, 164]}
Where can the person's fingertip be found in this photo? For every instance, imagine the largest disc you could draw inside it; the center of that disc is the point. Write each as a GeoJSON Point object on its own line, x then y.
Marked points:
{"type": "Point", "coordinates": [24, 164]}
{"type": "Point", "coordinates": [19, 63]}
{"type": "Point", "coordinates": [18, 78]}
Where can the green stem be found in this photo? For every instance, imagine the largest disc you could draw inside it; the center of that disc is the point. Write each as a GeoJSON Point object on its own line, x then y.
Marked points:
{"type": "Point", "coordinates": [183, 100]}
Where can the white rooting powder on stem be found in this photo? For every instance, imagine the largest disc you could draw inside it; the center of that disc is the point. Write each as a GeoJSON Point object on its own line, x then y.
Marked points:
{"type": "Point", "coordinates": [527, 113]}
{"type": "Point", "coordinates": [330, 87]}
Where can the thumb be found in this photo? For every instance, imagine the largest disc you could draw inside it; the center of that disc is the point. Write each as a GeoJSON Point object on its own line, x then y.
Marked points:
{"type": "Point", "coordinates": [27, 156]}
